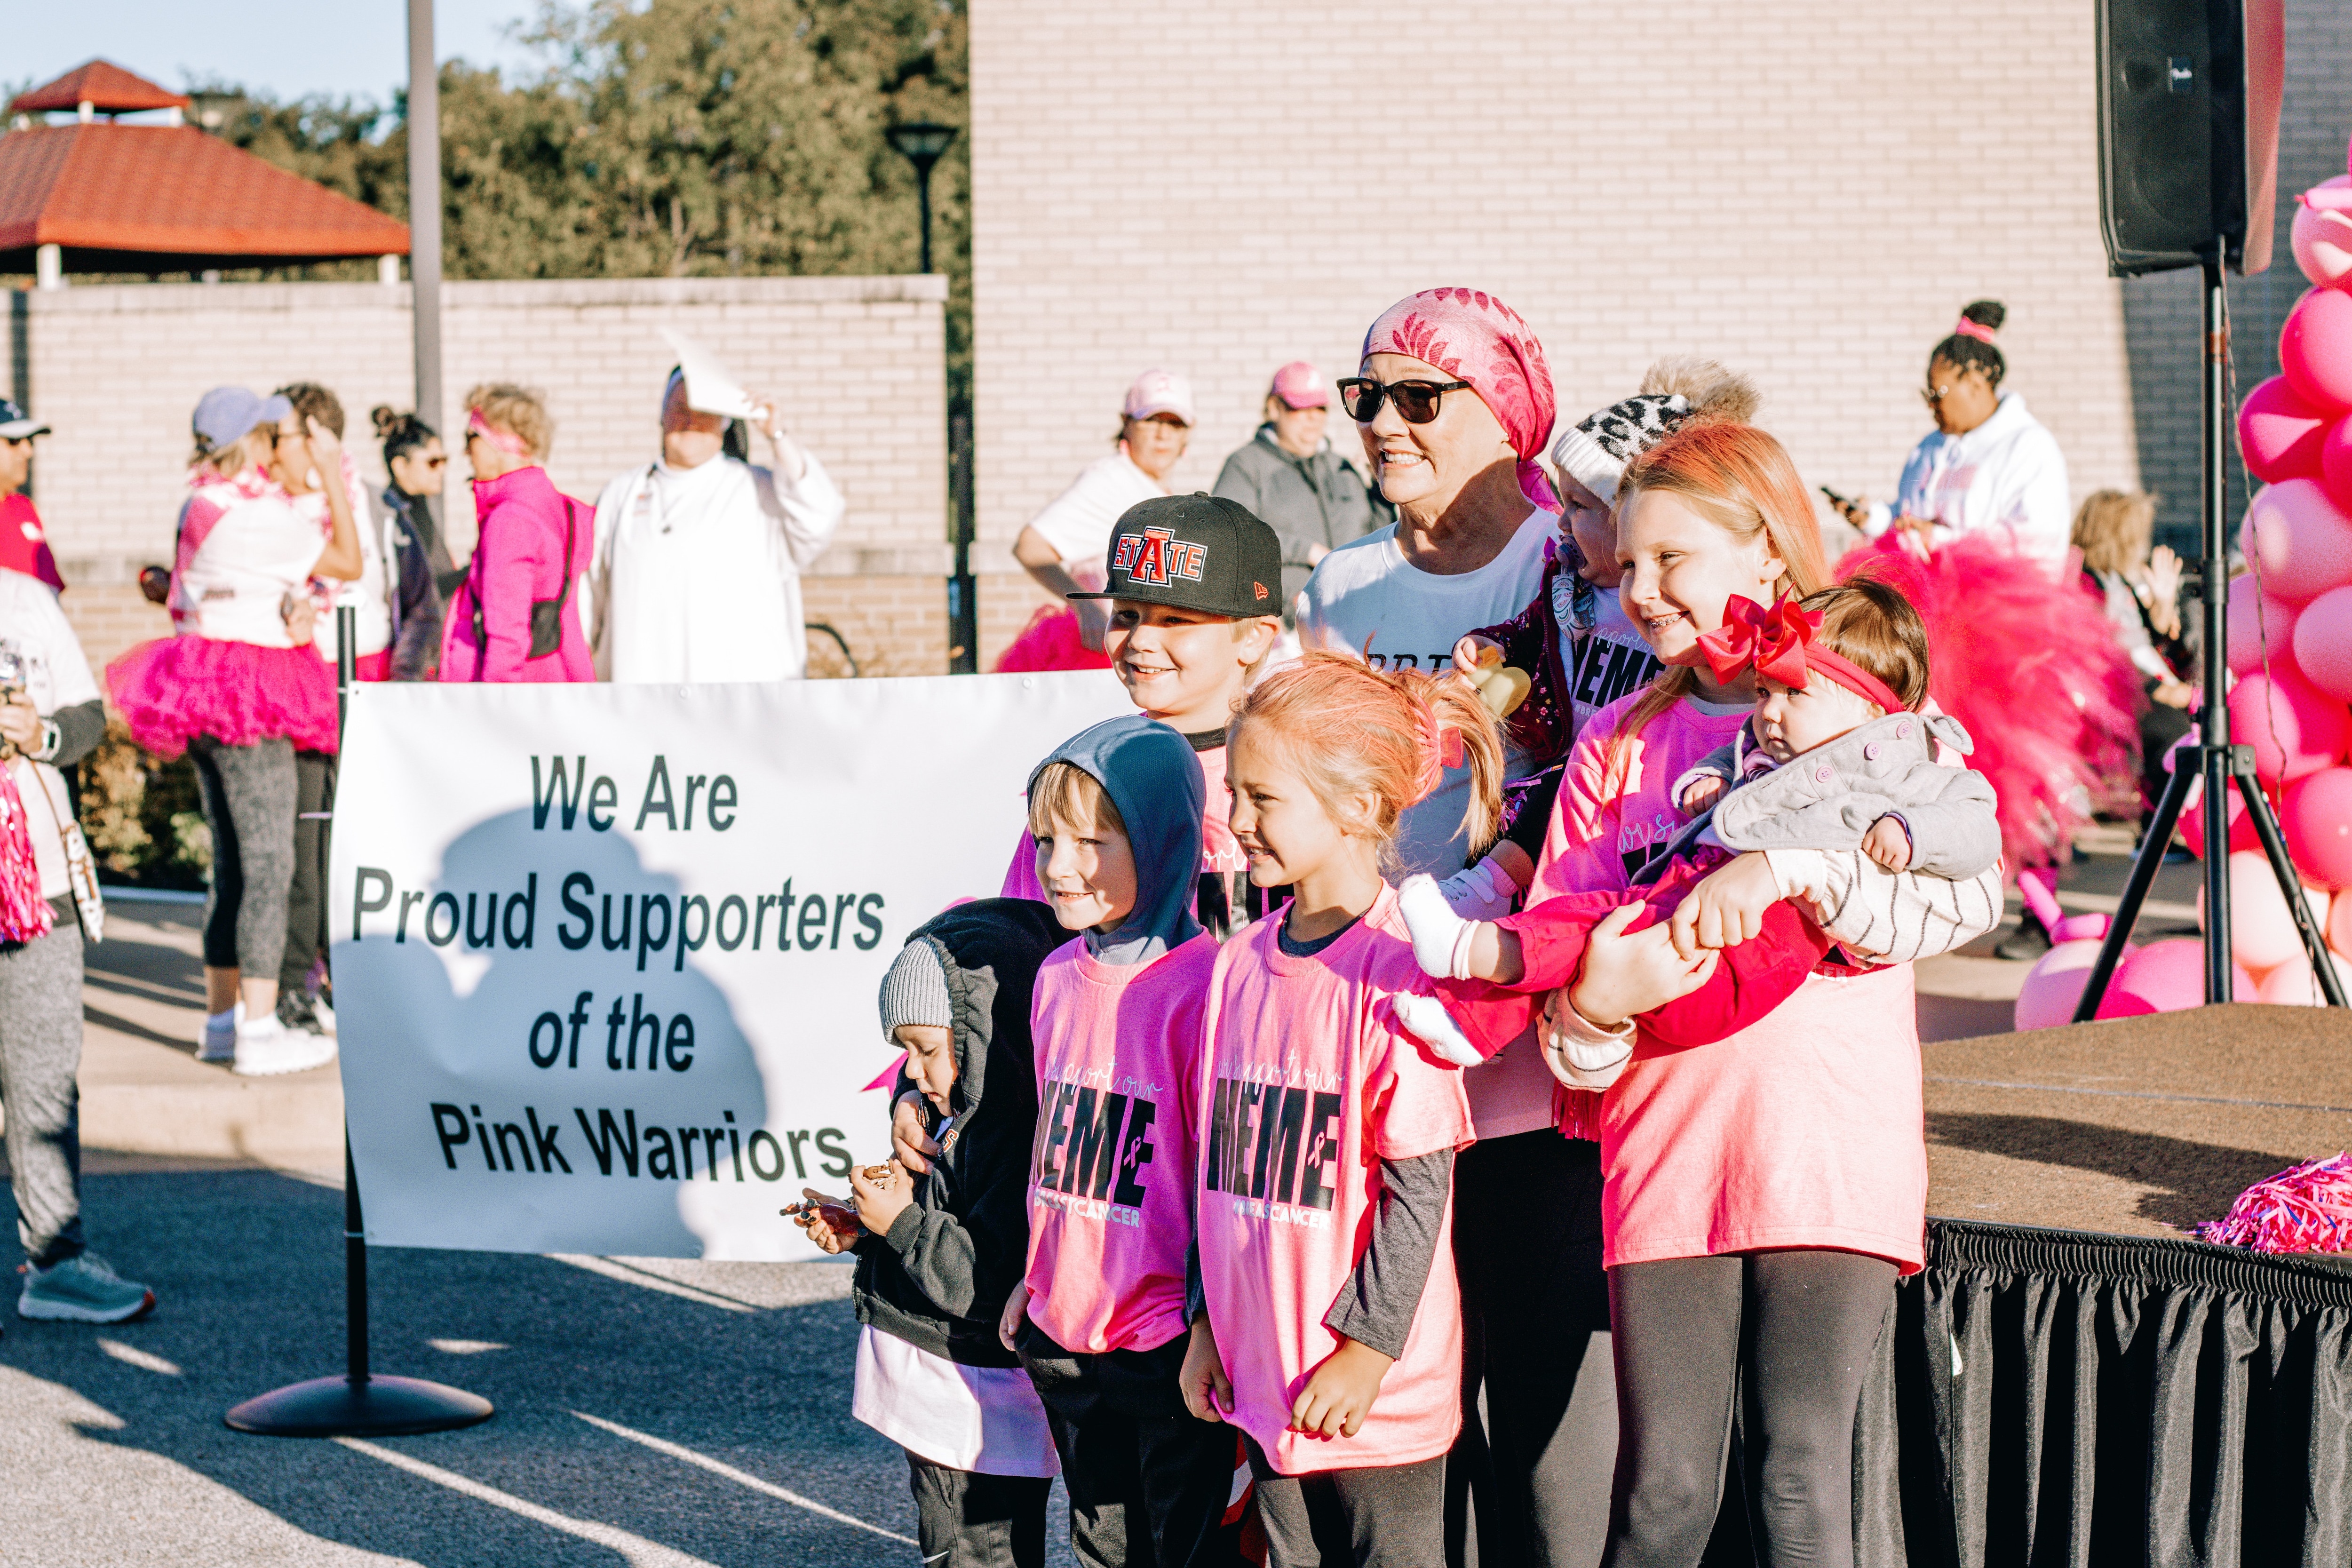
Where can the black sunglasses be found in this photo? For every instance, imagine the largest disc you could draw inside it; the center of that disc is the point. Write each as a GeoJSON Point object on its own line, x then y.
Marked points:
{"type": "Point", "coordinates": [1416, 400]}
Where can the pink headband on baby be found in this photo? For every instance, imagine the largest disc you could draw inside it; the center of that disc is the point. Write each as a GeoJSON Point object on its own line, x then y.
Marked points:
{"type": "Point", "coordinates": [1965, 327]}
{"type": "Point", "coordinates": [1779, 644]}
{"type": "Point", "coordinates": [512, 446]}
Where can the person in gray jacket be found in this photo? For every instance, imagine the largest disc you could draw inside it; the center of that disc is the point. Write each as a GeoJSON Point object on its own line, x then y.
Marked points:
{"type": "Point", "coordinates": [1289, 476]}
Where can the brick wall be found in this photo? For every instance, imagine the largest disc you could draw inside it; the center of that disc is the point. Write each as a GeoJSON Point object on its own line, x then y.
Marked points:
{"type": "Point", "coordinates": [856, 365]}
{"type": "Point", "coordinates": [1807, 190]}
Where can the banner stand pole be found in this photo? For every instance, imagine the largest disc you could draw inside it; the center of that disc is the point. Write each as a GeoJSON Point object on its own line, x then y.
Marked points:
{"type": "Point", "coordinates": [356, 1404]}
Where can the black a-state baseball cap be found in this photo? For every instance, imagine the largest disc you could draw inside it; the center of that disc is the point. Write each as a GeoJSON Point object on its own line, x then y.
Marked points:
{"type": "Point", "coordinates": [1197, 552]}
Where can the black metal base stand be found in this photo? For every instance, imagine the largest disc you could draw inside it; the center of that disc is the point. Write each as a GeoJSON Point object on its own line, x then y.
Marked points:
{"type": "Point", "coordinates": [2215, 760]}
{"type": "Point", "coordinates": [357, 1404]}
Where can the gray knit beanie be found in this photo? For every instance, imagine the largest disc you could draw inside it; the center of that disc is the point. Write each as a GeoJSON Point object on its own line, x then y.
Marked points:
{"type": "Point", "coordinates": [916, 991]}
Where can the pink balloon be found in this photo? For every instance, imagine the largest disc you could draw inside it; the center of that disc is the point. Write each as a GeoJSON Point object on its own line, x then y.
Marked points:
{"type": "Point", "coordinates": [2322, 643]}
{"type": "Point", "coordinates": [2192, 813]}
{"type": "Point", "coordinates": [2166, 976]}
{"type": "Point", "coordinates": [2261, 932]}
{"type": "Point", "coordinates": [2322, 238]}
{"type": "Point", "coordinates": [2316, 348]}
{"type": "Point", "coordinates": [2297, 540]}
{"type": "Point", "coordinates": [2293, 728]}
{"type": "Point", "coordinates": [2051, 988]}
{"type": "Point", "coordinates": [2317, 817]}
{"type": "Point", "coordinates": [2335, 459]}
{"type": "Point", "coordinates": [2280, 433]}
{"type": "Point", "coordinates": [2337, 932]}
{"type": "Point", "coordinates": [2260, 625]}
{"type": "Point", "coordinates": [2293, 984]}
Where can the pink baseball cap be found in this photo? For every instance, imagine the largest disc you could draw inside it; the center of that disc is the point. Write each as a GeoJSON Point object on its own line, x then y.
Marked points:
{"type": "Point", "coordinates": [1300, 386]}
{"type": "Point", "coordinates": [1159, 392]}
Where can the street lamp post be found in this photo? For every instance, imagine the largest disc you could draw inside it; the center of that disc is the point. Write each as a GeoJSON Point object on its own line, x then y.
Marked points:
{"type": "Point", "coordinates": [923, 144]}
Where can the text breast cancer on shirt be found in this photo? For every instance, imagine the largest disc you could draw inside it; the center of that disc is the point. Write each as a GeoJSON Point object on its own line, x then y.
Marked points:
{"type": "Point", "coordinates": [606, 956]}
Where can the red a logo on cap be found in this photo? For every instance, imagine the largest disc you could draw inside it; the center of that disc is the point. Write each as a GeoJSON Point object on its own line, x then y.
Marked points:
{"type": "Point", "coordinates": [1156, 554]}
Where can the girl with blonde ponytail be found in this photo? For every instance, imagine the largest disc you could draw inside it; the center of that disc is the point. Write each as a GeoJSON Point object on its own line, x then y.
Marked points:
{"type": "Point", "coordinates": [1325, 1191]}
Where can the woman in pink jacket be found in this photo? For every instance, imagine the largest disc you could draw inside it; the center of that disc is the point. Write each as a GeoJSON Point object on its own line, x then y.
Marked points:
{"type": "Point", "coordinates": [517, 614]}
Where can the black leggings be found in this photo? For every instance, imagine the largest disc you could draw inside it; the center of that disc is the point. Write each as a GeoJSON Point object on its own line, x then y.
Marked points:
{"type": "Point", "coordinates": [1801, 1326]}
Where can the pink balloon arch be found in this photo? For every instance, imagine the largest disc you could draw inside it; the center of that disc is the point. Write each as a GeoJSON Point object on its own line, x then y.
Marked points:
{"type": "Point", "coordinates": [2290, 655]}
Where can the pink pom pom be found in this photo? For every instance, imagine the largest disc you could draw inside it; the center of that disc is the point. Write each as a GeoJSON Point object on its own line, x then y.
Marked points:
{"type": "Point", "coordinates": [2316, 349]}
{"type": "Point", "coordinates": [2304, 1208]}
{"type": "Point", "coordinates": [2280, 433]}
{"type": "Point", "coordinates": [2322, 238]}
{"type": "Point", "coordinates": [2322, 643]}
{"type": "Point", "coordinates": [2317, 817]}
{"type": "Point", "coordinates": [2051, 988]}
{"type": "Point", "coordinates": [2297, 539]}
{"type": "Point", "coordinates": [2260, 625]}
{"type": "Point", "coordinates": [2166, 976]}
{"type": "Point", "coordinates": [2293, 728]}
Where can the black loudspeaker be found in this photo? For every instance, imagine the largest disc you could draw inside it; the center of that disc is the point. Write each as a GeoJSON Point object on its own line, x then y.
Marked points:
{"type": "Point", "coordinates": [2189, 109]}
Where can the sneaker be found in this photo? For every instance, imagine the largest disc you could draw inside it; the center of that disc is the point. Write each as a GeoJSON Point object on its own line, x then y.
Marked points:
{"type": "Point", "coordinates": [266, 1048]}
{"type": "Point", "coordinates": [219, 1042]}
{"type": "Point", "coordinates": [82, 1290]}
{"type": "Point", "coordinates": [305, 1014]}
{"type": "Point", "coordinates": [2027, 942]}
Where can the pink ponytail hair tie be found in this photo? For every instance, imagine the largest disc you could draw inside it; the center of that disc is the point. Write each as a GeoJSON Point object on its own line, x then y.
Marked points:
{"type": "Point", "coordinates": [1440, 748]}
{"type": "Point", "coordinates": [1965, 327]}
{"type": "Point", "coordinates": [511, 444]}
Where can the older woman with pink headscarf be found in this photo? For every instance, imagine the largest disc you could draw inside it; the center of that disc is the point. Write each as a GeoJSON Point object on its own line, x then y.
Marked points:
{"type": "Point", "coordinates": [1453, 402]}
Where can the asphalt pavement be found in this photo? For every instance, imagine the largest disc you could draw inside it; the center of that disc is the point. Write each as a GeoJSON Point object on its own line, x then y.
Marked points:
{"type": "Point", "coordinates": [656, 1412]}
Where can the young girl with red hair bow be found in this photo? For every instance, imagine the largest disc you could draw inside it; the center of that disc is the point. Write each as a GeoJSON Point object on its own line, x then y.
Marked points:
{"type": "Point", "coordinates": [1837, 776]}
{"type": "Point", "coordinates": [1331, 1333]}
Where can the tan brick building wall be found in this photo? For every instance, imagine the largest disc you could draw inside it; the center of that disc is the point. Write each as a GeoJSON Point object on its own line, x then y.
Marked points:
{"type": "Point", "coordinates": [856, 365]}
{"type": "Point", "coordinates": [1807, 190]}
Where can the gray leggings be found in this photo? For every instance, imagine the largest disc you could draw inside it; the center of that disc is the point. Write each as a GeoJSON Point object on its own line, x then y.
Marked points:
{"type": "Point", "coordinates": [40, 1050]}
{"type": "Point", "coordinates": [1801, 1326]}
{"type": "Point", "coordinates": [249, 802]}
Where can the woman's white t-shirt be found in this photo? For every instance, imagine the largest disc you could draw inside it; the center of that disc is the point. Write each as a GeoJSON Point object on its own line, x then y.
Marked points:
{"type": "Point", "coordinates": [1368, 599]}
{"type": "Point", "coordinates": [1078, 521]}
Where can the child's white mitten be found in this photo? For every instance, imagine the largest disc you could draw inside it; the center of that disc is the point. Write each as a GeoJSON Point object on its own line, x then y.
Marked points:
{"type": "Point", "coordinates": [1440, 938]}
{"type": "Point", "coordinates": [1426, 1020]}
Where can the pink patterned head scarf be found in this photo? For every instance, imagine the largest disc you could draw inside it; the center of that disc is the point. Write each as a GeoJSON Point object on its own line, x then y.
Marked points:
{"type": "Point", "coordinates": [1472, 336]}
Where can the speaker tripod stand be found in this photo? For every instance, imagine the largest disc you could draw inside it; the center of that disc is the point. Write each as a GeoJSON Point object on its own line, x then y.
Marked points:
{"type": "Point", "coordinates": [2214, 758]}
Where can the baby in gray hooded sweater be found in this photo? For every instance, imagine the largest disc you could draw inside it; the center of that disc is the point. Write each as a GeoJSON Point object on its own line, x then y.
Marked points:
{"type": "Point", "coordinates": [1885, 853]}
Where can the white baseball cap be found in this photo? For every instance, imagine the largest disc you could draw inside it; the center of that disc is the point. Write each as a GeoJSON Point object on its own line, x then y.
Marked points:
{"type": "Point", "coordinates": [1159, 392]}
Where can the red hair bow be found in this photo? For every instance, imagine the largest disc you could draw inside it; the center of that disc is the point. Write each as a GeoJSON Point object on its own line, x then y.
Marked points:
{"type": "Point", "coordinates": [1774, 641]}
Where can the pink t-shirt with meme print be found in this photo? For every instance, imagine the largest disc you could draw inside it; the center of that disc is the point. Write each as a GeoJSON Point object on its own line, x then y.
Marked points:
{"type": "Point", "coordinates": [1310, 1084]}
{"type": "Point", "coordinates": [1111, 1171]}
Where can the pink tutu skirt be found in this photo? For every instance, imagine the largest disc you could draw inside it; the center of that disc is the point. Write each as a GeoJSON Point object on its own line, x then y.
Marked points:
{"type": "Point", "coordinates": [1050, 641]}
{"type": "Point", "coordinates": [2031, 666]}
{"type": "Point", "coordinates": [172, 690]}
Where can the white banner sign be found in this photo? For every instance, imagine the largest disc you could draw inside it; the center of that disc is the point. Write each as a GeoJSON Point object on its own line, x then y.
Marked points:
{"type": "Point", "coordinates": [606, 956]}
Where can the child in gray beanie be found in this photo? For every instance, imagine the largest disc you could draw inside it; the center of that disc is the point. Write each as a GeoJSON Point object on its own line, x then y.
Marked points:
{"type": "Point", "coordinates": [938, 1252]}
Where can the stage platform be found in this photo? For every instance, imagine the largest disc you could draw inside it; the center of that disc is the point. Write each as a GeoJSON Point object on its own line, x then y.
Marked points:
{"type": "Point", "coordinates": [2134, 1126]}
{"type": "Point", "coordinates": [2074, 1378]}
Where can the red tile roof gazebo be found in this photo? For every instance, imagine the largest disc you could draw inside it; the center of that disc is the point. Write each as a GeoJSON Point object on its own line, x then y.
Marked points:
{"type": "Point", "coordinates": [160, 198]}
